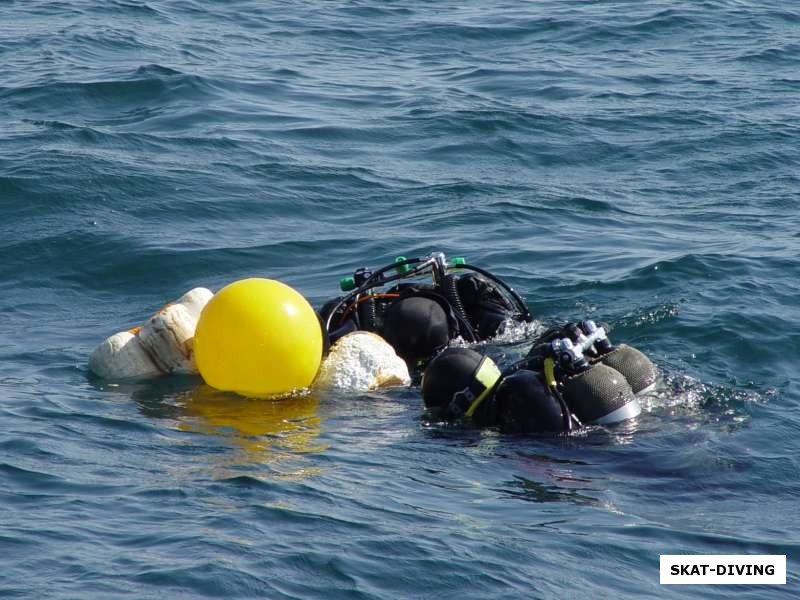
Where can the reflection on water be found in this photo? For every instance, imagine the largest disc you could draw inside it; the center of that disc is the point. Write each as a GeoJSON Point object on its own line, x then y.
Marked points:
{"type": "Point", "coordinates": [533, 491]}
{"type": "Point", "coordinates": [237, 432]}
{"type": "Point", "coordinates": [259, 427]}
{"type": "Point", "coordinates": [550, 479]}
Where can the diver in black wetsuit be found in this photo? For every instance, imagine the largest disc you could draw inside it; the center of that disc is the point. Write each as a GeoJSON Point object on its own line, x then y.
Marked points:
{"type": "Point", "coordinates": [571, 376]}
{"type": "Point", "coordinates": [419, 319]}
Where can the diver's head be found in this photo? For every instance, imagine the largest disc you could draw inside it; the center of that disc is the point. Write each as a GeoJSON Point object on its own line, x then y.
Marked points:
{"type": "Point", "coordinates": [417, 327]}
{"type": "Point", "coordinates": [457, 381]}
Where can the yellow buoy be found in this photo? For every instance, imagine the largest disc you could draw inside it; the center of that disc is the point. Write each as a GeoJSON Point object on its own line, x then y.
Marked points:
{"type": "Point", "coordinates": [258, 337]}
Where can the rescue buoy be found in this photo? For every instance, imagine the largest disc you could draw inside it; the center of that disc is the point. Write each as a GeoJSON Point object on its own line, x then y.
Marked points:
{"type": "Point", "coordinates": [258, 337]}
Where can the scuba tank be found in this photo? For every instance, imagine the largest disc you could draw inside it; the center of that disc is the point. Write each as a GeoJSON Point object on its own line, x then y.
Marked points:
{"type": "Point", "coordinates": [637, 369]}
{"type": "Point", "coordinates": [596, 393]}
{"type": "Point", "coordinates": [419, 325]}
{"type": "Point", "coordinates": [598, 381]}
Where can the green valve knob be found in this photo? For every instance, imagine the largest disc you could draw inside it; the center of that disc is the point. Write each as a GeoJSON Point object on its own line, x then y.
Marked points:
{"type": "Point", "coordinates": [347, 283]}
{"type": "Point", "coordinates": [459, 260]}
{"type": "Point", "coordinates": [401, 268]}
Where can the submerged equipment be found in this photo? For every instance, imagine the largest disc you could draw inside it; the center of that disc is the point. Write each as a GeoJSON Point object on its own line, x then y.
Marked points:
{"type": "Point", "coordinates": [637, 369]}
{"type": "Point", "coordinates": [258, 337]}
{"type": "Point", "coordinates": [418, 318]}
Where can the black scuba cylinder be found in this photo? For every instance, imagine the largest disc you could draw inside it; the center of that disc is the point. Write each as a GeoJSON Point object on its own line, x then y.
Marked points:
{"type": "Point", "coordinates": [600, 395]}
{"type": "Point", "coordinates": [486, 307]}
{"type": "Point", "coordinates": [637, 369]}
{"type": "Point", "coordinates": [326, 338]}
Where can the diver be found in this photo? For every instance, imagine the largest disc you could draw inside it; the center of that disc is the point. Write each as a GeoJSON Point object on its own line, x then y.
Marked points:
{"type": "Point", "coordinates": [572, 376]}
{"type": "Point", "coordinates": [419, 319]}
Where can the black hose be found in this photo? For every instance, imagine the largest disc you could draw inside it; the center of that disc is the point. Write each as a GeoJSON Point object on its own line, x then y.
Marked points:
{"type": "Point", "coordinates": [368, 314]}
{"type": "Point", "coordinates": [451, 293]}
{"type": "Point", "coordinates": [565, 411]}
{"type": "Point", "coordinates": [527, 363]}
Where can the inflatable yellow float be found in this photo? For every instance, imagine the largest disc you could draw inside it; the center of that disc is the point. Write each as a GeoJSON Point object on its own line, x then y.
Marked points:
{"type": "Point", "coordinates": [256, 337]}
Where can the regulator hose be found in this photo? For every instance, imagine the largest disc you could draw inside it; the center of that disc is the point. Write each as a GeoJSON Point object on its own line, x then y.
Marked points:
{"type": "Point", "coordinates": [451, 293]}
{"type": "Point", "coordinates": [367, 314]}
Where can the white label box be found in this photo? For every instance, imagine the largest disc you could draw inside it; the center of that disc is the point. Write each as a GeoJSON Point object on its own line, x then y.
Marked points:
{"type": "Point", "coordinates": [723, 569]}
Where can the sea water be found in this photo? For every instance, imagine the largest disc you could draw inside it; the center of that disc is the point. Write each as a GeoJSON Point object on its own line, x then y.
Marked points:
{"type": "Point", "coordinates": [632, 162]}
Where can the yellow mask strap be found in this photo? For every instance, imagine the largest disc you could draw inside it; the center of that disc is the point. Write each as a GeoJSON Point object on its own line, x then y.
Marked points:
{"type": "Point", "coordinates": [487, 375]}
{"type": "Point", "coordinates": [549, 373]}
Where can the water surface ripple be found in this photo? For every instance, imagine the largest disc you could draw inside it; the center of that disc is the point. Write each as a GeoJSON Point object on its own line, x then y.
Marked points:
{"type": "Point", "coordinates": [634, 162]}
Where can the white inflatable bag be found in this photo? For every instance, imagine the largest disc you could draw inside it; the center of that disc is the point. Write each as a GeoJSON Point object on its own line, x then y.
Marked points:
{"type": "Point", "coordinates": [360, 362]}
{"type": "Point", "coordinates": [162, 345]}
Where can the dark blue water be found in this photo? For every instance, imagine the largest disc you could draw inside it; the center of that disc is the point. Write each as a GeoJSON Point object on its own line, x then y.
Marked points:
{"type": "Point", "coordinates": [634, 162]}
